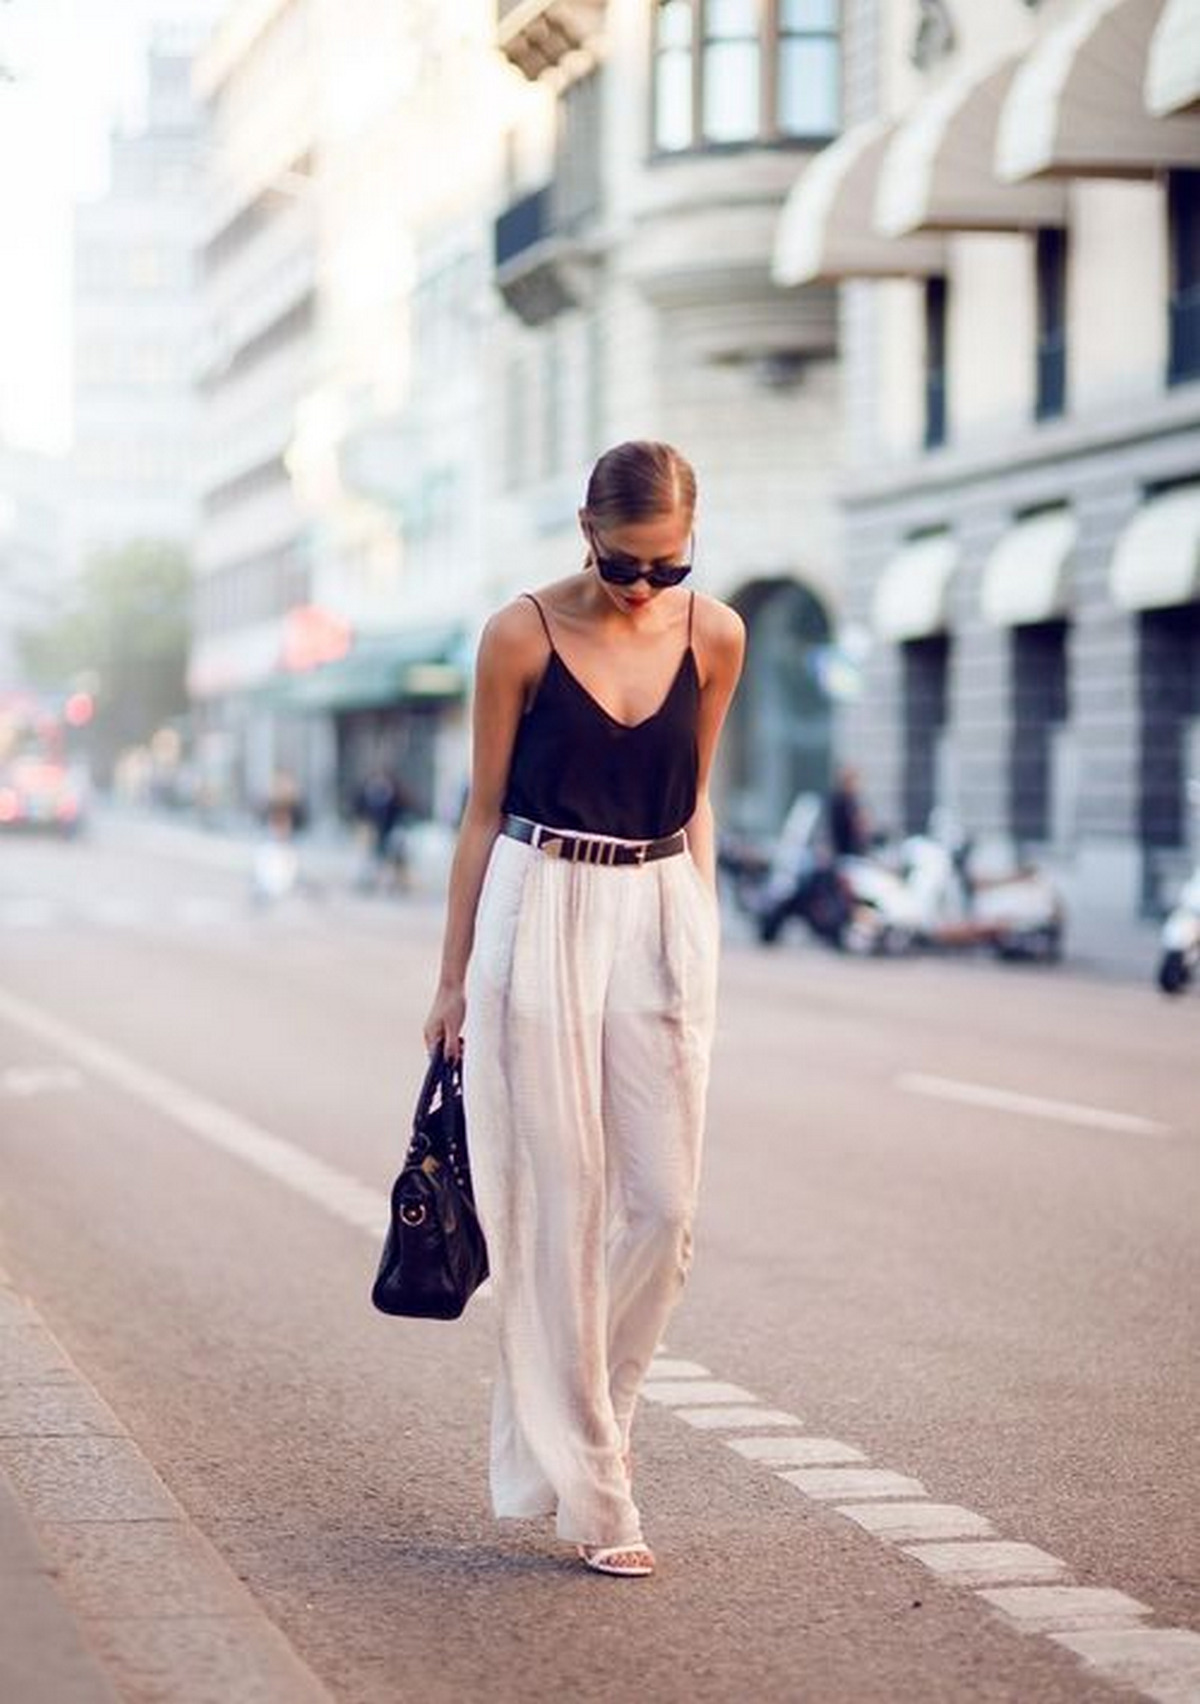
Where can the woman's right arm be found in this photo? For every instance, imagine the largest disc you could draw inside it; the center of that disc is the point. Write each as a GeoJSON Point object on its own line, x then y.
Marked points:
{"type": "Point", "coordinates": [505, 665]}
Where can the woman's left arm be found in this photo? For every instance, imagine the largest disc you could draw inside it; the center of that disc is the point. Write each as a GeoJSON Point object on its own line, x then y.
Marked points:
{"type": "Point", "coordinates": [720, 652]}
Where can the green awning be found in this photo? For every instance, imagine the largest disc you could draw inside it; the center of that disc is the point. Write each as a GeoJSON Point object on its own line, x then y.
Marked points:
{"type": "Point", "coordinates": [379, 670]}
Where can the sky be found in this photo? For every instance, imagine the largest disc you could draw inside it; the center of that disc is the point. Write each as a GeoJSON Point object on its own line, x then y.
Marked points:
{"type": "Point", "coordinates": [79, 68]}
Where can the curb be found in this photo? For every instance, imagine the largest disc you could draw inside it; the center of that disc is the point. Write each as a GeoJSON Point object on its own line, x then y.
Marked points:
{"type": "Point", "coordinates": [43, 1655]}
{"type": "Point", "coordinates": [108, 1591]}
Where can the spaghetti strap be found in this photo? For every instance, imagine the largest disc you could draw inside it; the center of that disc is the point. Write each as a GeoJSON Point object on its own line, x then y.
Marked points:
{"type": "Point", "coordinates": [541, 612]}
{"type": "Point", "coordinates": [691, 607]}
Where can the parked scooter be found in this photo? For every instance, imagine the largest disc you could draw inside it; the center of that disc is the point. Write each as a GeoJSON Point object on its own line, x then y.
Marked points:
{"type": "Point", "coordinates": [793, 877]}
{"type": "Point", "coordinates": [1180, 961]}
{"type": "Point", "coordinates": [935, 899]}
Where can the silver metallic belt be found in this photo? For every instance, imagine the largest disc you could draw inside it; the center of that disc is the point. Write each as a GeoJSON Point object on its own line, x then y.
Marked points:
{"type": "Point", "coordinates": [590, 848]}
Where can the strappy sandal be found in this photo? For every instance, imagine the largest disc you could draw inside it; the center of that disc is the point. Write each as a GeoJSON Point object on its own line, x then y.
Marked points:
{"type": "Point", "coordinates": [629, 1561]}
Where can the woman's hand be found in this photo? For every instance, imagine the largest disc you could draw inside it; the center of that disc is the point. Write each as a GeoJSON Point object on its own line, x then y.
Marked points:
{"type": "Point", "coordinates": [445, 1021]}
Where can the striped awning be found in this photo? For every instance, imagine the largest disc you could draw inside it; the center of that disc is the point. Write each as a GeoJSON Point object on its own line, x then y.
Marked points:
{"type": "Point", "coordinates": [381, 669]}
{"type": "Point", "coordinates": [1025, 579]}
{"type": "Point", "coordinates": [1173, 68]}
{"type": "Point", "coordinates": [1077, 104]}
{"type": "Point", "coordinates": [911, 597]}
{"type": "Point", "coordinates": [938, 171]}
{"type": "Point", "coordinates": [1157, 559]}
{"type": "Point", "coordinates": [827, 228]}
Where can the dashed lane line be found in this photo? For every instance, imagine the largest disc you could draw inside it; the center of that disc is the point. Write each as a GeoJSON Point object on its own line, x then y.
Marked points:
{"type": "Point", "coordinates": [1028, 1586]}
{"type": "Point", "coordinates": [1043, 1609]}
{"type": "Point", "coordinates": [1163, 1663]}
{"type": "Point", "coordinates": [1033, 1106]}
{"type": "Point", "coordinates": [795, 1452]}
{"type": "Point", "coordinates": [736, 1417]}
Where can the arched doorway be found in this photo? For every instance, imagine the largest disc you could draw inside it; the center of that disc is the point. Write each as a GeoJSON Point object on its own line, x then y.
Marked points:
{"type": "Point", "coordinates": [779, 737]}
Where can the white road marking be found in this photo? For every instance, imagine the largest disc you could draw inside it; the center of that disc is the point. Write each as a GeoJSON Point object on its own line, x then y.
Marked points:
{"type": "Point", "coordinates": [1043, 1609]}
{"type": "Point", "coordinates": [343, 1196]}
{"type": "Point", "coordinates": [1035, 1106]}
{"type": "Point", "coordinates": [116, 911]}
{"type": "Point", "coordinates": [736, 1418]}
{"type": "Point", "coordinates": [28, 913]}
{"type": "Point", "coordinates": [663, 1367]}
{"type": "Point", "coordinates": [677, 1393]}
{"type": "Point", "coordinates": [988, 1561]}
{"type": "Point", "coordinates": [830, 1483]}
{"type": "Point", "coordinates": [906, 1522]}
{"type": "Point", "coordinates": [795, 1452]}
{"type": "Point", "coordinates": [200, 911]}
{"type": "Point", "coordinates": [186, 911]}
{"type": "Point", "coordinates": [23, 1081]}
{"type": "Point", "coordinates": [1163, 1663]}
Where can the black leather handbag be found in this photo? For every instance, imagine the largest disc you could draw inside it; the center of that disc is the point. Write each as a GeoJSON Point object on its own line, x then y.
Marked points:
{"type": "Point", "coordinates": [434, 1255]}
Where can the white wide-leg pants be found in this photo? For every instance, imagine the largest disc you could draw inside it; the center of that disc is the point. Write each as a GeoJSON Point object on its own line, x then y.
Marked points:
{"type": "Point", "coordinates": [590, 1002]}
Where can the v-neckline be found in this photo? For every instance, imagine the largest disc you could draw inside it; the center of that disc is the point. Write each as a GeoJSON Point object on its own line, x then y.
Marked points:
{"type": "Point", "coordinates": [626, 727]}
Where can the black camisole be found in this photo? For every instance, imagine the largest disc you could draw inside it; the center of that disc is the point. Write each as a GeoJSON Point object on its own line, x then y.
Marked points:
{"type": "Point", "coordinates": [575, 766]}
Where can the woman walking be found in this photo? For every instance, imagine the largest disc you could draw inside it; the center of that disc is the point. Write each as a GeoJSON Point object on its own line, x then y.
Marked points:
{"type": "Point", "coordinates": [579, 979]}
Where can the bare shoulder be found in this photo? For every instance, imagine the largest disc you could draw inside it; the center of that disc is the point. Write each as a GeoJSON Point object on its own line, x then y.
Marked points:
{"type": "Point", "coordinates": [720, 636]}
{"type": "Point", "coordinates": [513, 640]}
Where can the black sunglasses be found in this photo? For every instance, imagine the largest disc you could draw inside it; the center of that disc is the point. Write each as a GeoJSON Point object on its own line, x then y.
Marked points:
{"type": "Point", "coordinates": [620, 571]}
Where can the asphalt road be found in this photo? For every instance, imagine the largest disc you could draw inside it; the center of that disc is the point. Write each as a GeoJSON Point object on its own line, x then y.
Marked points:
{"type": "Point", "coordinates": [949, 1221]}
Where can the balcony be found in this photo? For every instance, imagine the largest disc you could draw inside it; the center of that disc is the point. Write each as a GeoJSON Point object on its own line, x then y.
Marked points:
{"type": "Point", "coordinates": [543, 268]}
{"type": "Point", "coordinates": [537, 36]}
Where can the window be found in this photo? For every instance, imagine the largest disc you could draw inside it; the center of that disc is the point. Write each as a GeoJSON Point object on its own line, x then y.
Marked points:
{"type": "Point", "coordinates": [731, 71]}
{"type": "Point", "coordinates": [728, 73]}
{"type": "Point", "coordinates": [1039, 707]}
{"type": "Point", "coordinates": [577, 154]}
{"type": "Point", "coordinates": [925, 676]}
{"type": "Point", "coordinates": [807, 94]}
{"type": "Point", "coordinates": [935, 362]}
{"type": "Point", "coordinates": [1183, 212]}
{"type": "Point", "coordinates": [1051, 261]}
{"type": "Point", "coordinates": [673, 76]}
{"type": "Point", "coordinates": [1169, 695]}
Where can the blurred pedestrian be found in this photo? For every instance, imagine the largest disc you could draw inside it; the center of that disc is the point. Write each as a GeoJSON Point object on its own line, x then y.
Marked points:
{"type": "Point", "coordinates": [379, 807]}
{"type": "Point", "coordinates": [850, 832]}
{"type": "Point", "coordinates": [284, 810]}
{"type": "Point", "coordinates": [579, 981]}
{"type": "Point", "coordinates": [275, 870]}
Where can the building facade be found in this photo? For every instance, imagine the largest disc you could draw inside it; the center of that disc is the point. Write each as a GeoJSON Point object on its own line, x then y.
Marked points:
{"type": "Point", "coordinates": [257, 276]}
{"type": "Point", "coordinates": [34, 564]}
{"type": "Point", "coordinates": [344, 279]}
{"type": "Point", "coordinates": [133, 462]}
{"type": "Point", "coordinates": [1013, 218]}
{"type": "Point", "coordinates": [389, 457]}
{"type": "Point", "coordinates": [651, 150]}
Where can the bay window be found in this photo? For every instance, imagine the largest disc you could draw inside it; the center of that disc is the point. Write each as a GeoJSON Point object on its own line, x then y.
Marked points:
{"type": "Point", "coordinates": [736, 73]}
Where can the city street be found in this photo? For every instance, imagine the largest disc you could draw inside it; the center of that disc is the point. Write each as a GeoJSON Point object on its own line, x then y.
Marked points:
{"type": "Point", "coordinates": [947, 1237]}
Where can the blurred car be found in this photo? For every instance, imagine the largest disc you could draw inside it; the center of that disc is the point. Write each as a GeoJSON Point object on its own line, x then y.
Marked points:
{"type": "Point", "coordinates": [40, 793]}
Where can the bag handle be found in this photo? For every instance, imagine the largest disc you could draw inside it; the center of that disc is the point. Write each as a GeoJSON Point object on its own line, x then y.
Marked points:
{"type": "Point", "coordinates": [443, 1074]}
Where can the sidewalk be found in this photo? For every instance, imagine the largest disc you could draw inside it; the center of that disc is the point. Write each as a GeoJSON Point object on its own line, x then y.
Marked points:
{"type": "Point", "coordinates": [1096, 943]}
{"type": "Point", "coordinates": [107, 1589]}
{"type": "Point", "coordinates": [330, 854]}
{"type": "Point", "coordinates": [43, 1656]}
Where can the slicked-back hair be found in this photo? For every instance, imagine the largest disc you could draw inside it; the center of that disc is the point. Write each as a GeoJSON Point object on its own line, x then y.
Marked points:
{"type": "Point", "coordinates": [638, 481]}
